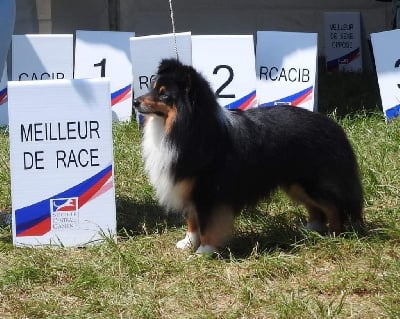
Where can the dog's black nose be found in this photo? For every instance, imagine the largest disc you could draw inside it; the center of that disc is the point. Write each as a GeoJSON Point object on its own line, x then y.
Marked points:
{"type": "Point", "coordinates": [136, 103]}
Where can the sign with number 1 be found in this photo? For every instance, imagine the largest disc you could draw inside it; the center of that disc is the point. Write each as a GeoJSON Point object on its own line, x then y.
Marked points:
{"type": "Point", "coordinates": [228, 63]}
{"type": "Point", "coordinates": [106, 54]}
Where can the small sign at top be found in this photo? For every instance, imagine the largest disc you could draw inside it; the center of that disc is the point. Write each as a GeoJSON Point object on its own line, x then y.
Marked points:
{"type": "Point", "coordinates": [343, 41]}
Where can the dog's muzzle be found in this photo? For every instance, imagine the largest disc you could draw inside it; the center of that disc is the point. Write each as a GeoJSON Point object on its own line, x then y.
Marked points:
{"type": "Point", "coordinates": [136, 103]}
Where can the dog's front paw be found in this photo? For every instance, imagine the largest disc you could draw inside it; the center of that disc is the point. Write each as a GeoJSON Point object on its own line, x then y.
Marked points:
{"type": "Point", "coordinates": [191, 241]}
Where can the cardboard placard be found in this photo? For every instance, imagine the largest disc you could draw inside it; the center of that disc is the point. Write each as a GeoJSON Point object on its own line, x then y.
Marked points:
{"type": "Point", "coordinates": [286, 69]}
{"type": "Point", "coordinates": [232, 76]}
{"type": "Point", "coordinates": [386, 47]}
{"type": "Point", "coordinates": [148, 51]}
{"type": "Point", "coordinates": [107, 54]}
{"type": "Point", "coordinates": [3, 97]}
{"type": "Point", "coordinates": [61, 160]}
{"type": "Point", "coordinates": [343, 41]}
{"type": "Point", "coordinates": [42, 57]}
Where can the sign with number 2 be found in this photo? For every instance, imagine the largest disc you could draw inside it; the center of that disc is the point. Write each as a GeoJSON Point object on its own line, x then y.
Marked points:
{"type": "Point", "coordinates": [228, 63]}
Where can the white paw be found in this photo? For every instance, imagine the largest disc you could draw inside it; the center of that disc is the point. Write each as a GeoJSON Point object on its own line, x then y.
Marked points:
{"type": "Point", "coordinates": [191, 241]}
{"type": "Point", "coordinates": [206, 249]}
{"type": "Point", "coordinates": [316, 226]}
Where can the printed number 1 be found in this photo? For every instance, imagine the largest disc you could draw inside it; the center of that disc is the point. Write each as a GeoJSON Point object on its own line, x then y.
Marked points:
{"type": "Point", "coordinates": [226, 83]}
{"type": "Point", "coordinates": [102, 64]}
{"type": "Point", "coordinates": [396, 65]}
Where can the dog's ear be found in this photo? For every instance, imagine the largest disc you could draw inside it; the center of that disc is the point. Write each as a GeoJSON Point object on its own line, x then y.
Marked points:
{"type": "Point", "coordinates": [190, 78]}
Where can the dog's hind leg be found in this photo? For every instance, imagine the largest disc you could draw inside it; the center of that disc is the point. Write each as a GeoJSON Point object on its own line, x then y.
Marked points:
{"type": "Point", "coordinates": [215, 228]}
{"type": "Point", "coordinates": [192, 237]}
{"type": "Point", "coordinates": [316, 218]}
{"type": "Point", "coordinates": [319, 212]}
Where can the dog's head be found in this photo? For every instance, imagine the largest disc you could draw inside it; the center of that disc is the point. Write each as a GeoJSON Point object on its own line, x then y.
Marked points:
{"type": "Point", "coordinates": [173, 92]}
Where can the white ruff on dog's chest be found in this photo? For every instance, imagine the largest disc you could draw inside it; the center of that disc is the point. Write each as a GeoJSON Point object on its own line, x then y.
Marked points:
{"type": "Point", "coordinates": [159, 157]}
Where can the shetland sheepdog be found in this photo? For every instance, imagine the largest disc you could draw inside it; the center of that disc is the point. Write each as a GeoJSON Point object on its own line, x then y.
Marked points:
{"type": "Point", "coordinates": [210, 163]}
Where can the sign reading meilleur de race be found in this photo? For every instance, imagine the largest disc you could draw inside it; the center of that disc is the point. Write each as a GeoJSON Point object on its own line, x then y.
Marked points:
{"type": "Point", "coordinates": [231, 76]}
{"type": "Point", "coordinates": [61, 155]}
{"type": "Point", "coordinates": [286, 69]}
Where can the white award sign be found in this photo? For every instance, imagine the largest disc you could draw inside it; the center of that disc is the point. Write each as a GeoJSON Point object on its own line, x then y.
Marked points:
{"type": "Point", "coordinates": [286, 68]}
{"type": "Point", "coordinates": [232, 76]}
{"type": "Point", "coordinates": [107, 54]}
{"type": "Point", "coordinates": [387, 63]}
{"type": "Point", "coordinates": [343, 41]}
{"type": "Point", "coordinates": [148, 51]}
{"type": "Point", "coordinates": [61, 160]}
{"type": "Point", "coordinates": [42, 57]}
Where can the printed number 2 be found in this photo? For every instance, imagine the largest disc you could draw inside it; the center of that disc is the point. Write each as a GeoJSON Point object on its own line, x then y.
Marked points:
{"type": "Point", "coordinates": [226, 83]}
{"type": "Point", "coordinates": [102, 64]}
{"type": "Point", "coordinates": [396, 65]}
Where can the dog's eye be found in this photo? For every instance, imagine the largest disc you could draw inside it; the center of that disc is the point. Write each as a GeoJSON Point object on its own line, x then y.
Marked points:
{"type": "Point", "coordinates": [165, 98]}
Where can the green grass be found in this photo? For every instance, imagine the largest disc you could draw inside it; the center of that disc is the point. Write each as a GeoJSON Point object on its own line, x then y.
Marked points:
{"type": "Point", "coordinates": [271, 268]}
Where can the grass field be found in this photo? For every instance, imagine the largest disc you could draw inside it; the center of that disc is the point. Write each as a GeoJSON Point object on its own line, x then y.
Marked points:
{"type": "Point", "coordinates": [271, 268]}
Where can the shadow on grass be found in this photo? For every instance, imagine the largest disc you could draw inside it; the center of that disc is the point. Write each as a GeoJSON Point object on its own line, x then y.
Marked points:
{"type": "Point", "coordinates": [137, 218]}
{"type": "Point", "coordinates": [285, 232]}
{"type": "Point", "coordinates": [259, 232]}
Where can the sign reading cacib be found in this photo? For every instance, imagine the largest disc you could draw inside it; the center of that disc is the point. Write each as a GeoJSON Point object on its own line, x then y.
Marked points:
{"type": "Point", "coordinates": [61, 155]}
{"type": "Point", "coordinates": [50, 57]}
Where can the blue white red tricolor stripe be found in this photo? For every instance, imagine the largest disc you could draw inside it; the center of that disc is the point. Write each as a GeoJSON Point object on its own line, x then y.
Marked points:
{"type": "Point", "coordinates": [3, 96]}
{"type": "Point", "coordinates": [35, 219]}
{"type": "Point", "coordinates": [333, 65]}
{"type": "Point", "coordinates": [121, 95]}
{"type": "Point", "coordinates": [293, 100]}
{"type": "Point", "coordinates": [393, 112]}
{"type": "Point", "coordinates": [243, 103]}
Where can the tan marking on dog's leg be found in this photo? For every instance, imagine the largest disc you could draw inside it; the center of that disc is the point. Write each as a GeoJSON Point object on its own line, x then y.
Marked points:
{"type": "Point", "coordinates": [192, 237]}
{"type": "Point", "coordinates": [333, 217]}
{"type": "Point", "coordinates": [185, 189]}
{"type": "Point", "coordinates": [218, 230]}
{"type": "Point", "coordinates": [192, 221]}
{"type": "Point", "coordinates": [316, 218]}
{"type": "Point", "coordinates": [317, 211]}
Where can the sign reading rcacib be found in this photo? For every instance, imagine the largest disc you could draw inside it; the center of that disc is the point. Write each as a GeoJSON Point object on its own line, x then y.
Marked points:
{"type": "Point", "coordinates": [286, 68]}
{"type": "Point", "coordinates": [61, 155]}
